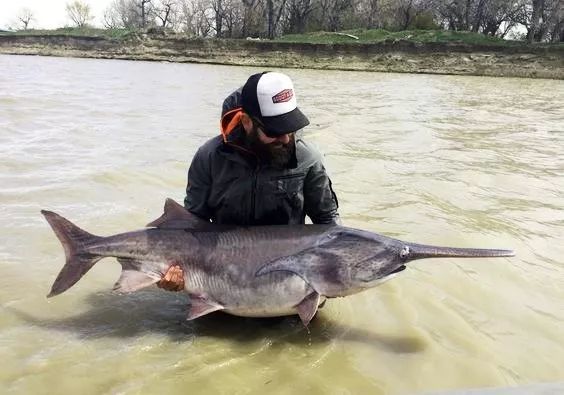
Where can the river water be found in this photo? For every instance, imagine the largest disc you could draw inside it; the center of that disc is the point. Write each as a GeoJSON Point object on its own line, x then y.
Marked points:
{"type": "Point", "coordinates": [461, 161]}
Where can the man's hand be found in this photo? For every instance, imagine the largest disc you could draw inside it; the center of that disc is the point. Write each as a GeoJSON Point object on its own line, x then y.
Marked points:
{"type": "Point", "coordinates": [173, 280]}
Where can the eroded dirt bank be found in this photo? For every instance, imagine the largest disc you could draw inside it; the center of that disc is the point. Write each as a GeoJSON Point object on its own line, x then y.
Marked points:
{"type": "Point", "coordinates": [398, 56]}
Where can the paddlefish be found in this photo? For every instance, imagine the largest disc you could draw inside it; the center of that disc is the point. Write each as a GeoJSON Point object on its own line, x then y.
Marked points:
{"type": "Point", "coordinates": [260, 271]}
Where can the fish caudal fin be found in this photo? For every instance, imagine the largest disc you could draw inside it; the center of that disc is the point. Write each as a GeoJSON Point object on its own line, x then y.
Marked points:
{"type": "Point", "coordinates": [74, 241]}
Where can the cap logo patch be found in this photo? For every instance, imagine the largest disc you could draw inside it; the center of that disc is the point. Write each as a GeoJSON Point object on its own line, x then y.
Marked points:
{"type": "Point", "coordinates": [283, 96]}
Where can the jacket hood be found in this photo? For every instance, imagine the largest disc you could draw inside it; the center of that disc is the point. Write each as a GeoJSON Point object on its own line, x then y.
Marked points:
{"type": "Point", "coordinates": [233, 135]}
{"type": "Point", "coordinates": [229, 124]}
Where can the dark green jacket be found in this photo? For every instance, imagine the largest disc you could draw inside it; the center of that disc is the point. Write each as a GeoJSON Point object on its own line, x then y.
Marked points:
{"type": "Point", "coordinates": [228, 186]}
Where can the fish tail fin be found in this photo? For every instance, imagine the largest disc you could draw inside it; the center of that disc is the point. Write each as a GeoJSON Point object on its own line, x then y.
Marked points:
{"type": "Point", "coordinates": [74, 241]}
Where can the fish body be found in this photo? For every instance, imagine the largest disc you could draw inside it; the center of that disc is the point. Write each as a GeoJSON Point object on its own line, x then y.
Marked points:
{"type": "Point", "coordinates": [258, 271]}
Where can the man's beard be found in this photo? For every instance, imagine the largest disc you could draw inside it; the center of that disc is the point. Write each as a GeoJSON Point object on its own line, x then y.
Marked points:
{"type": "Point", "coordinates": [275, 154]}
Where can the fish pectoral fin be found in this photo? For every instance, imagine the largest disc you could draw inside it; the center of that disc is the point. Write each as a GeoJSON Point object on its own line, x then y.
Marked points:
{"type": "Point", "coordinates": [133, 280]}
{"type": "Point", "coordinates": [176, 216]}
{"type": "Point", "coordinates": [201, 305]}
{"type": "Point", "coordinates": [308, 307]}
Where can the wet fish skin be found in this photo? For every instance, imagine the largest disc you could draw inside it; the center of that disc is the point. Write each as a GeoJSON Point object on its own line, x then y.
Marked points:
{"type": "Point", "coordinates": [249, 271]}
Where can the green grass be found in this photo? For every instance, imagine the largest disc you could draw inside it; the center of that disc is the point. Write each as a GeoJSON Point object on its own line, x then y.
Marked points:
{"type": "Point", "coordinates": [75, 31]}
{"type": "Point", "coordinates": [364, 35]}
{"type": "Point", "coordinates": [380, 35]}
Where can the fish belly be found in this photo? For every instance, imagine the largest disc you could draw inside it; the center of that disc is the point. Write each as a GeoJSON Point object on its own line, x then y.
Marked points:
{"type": "Point", "coordinates": [272, 295]}
{"type": "Point", "coordinates": [274, 311]}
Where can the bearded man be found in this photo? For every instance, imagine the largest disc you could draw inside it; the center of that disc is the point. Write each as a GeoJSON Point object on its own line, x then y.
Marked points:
{"type": "Point", "coordinates": [259, 171]}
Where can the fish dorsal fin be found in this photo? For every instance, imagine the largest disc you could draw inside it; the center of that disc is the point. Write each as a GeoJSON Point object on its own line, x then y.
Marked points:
{"type": "Point", "coordinates": [176, 216]}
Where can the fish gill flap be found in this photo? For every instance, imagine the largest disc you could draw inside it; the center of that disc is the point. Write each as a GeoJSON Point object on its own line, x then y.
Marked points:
{"type": "Point", "coordinates": [176, 216]}
{"type": "Point", "coordinates": [316, 267]}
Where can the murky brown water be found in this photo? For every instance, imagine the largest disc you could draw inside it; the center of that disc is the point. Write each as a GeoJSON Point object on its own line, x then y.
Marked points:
{"type": "Point", "coordinates": [460, 161]}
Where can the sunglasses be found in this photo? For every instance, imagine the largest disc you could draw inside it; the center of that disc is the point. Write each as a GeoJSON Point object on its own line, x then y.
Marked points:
{"type": "Point", "coordinates": [263, 129]}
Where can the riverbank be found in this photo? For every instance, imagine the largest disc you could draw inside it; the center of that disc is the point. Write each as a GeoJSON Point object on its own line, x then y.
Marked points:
{"type": "Point", "coordinates": [400, 54]}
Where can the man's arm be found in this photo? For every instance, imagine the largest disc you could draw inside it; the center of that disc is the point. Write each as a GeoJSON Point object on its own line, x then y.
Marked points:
{"type": "Point", "coordinates": [320, 201]}
{"type": "Point", "coordinates": [197, 192]}
{"type": "Point", "coordinates": [198, 186]}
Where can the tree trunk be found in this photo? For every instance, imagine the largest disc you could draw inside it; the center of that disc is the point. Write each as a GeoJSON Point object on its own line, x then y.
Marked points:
{"type": "Point", "coordinates": [142, 14]}
{"type": "Point", "coordinates": [218, 18]}
{"type": "Point", "coordinates": [479, 16]}
{"type": "Point", "coordinates": [467, 15]}
{"type": "Point", "coordinates": [407, 15]}
{"type": "Point", "coordinates": [536, 17]}
{"type": "Point", "coordinates": [373, 20]}
{"type": "Point", "coordinates": [270, 19]}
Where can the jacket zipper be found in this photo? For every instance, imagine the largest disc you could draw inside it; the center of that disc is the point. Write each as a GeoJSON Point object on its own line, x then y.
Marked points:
{"type": "Point", "coordinates": [255, 176]}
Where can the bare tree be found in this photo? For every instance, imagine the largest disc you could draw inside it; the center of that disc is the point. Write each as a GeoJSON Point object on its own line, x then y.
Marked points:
{"type": "Point", "coordinates": [299, 12]}
{"type": "Point", "coordinates": [499, 16]}
{"type": "Point", "coordinates": [406, 12]}
{"type": "Point", "coordinates": [166, 12]}
{"type": "Point", "coordinates": [536, 19]}
{"type": "Point", "coordinates": [111, 19]}
{"type": "Point", "coordinates": [372, 10]}
{"type": "Point", "coordinates": [331, 13]}
{"type": "Point", "coordinates": [544, 19]}
{"type": "Point", "coordinates": [200, 14]}
{"type": "Point", "coordinates": [186, 17]}
{"type": "Point", "coordinates": [144, 10]}
{"type": "Point", "coordinates": [120, 14]}
{"type": "Point", "coordinates": [79, 12]}
{"type": "Point", "coordinates": [491, 17]}
{"type": "Point", "coordinates": [232, 18]}
{"type": "Point", "coordinates": [479, 14]}
{"type": "Point", "coordinates": [251, 18]}
{"type": "Point", "coordinates": [274, 11]}
{"type": "Point", "coordinates": [219, 14]}
{"type": "Point", "coordinates": [557, 33]}
{"type": "Point", "coordinates": [25, 16]}
{"type": "Point", "coordinates": [540, 17]}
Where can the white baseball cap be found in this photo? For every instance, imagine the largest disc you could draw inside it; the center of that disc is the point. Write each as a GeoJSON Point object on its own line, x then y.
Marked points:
{"type": "Point", "coordinates": [270, 98]}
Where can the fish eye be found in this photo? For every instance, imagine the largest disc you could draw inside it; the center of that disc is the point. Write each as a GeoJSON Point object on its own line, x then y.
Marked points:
{"type": "Point", "coordinates": [404, 253]}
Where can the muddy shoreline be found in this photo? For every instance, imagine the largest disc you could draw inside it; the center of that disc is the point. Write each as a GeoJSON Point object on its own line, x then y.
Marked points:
{"type": "Point", "coordinates": [389, 56]}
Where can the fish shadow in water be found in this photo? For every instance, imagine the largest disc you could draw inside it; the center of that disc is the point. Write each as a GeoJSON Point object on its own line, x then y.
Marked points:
{"type": "Point", "coordinates": [149, 311]}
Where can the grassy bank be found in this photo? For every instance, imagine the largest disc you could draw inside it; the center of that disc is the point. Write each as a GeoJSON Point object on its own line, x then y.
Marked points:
{"type": "Point", "coordinates": [379, 35]}
{"type": "Point", "coordinates": [417, 51]}
{"type": "Point", "coordinates": [355, 36]}
{"type": "Point", "coordinates": [74, 31]}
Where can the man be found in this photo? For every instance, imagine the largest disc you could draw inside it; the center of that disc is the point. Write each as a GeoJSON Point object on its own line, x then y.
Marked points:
{"type": "Point", "coordinates": [259, 171]}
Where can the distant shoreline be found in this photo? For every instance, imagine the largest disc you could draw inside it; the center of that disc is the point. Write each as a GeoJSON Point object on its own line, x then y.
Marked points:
{"type": "Point", "coordinates": [401, 56]}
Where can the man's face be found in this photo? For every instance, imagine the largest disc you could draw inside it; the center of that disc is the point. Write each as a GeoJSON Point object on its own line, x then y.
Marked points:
{"type": "Point", "coordinates": [277, 151]}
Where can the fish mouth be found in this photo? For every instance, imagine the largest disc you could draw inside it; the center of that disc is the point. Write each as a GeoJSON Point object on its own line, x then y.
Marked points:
{"type": "Point", "coordinates": [398, 269]}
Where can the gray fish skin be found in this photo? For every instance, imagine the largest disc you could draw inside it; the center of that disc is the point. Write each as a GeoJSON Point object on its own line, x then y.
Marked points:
{"type": "Point", "coordinates": [255, 271]}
